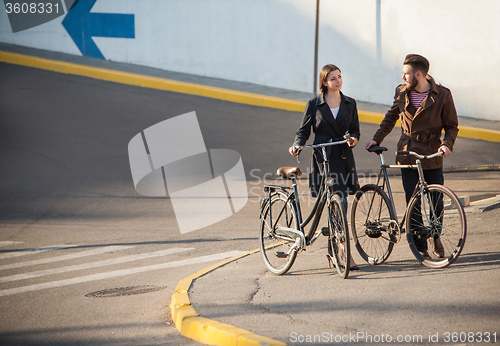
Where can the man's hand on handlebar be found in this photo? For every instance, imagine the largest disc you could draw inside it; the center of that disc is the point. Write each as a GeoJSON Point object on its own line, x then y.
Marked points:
{"type": "Point", "coordinates": [445, 150]}
{"type": "Point", "coordinates": [292, 151]}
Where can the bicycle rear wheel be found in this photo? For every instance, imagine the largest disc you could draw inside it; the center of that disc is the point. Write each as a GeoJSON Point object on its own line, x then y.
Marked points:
{"type": "Point", "coordinates": [373, 224]}
{"type": "Point", "coordinates": [443, 226]}
{"type": "Point", "coordinates": [276, 248]}
{"type": "Point", "coordinates": [338, 241]}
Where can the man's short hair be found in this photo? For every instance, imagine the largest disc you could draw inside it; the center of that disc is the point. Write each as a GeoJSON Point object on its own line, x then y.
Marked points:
{"type": "Point", "coordinates": [418, 63]}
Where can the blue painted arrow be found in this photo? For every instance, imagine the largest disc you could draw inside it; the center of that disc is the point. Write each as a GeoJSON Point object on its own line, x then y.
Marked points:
{"type": "Point", "coordinates": [82, 25]}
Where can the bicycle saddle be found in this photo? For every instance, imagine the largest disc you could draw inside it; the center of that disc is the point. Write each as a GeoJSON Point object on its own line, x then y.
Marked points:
{"type": "Point", "coordinates": [287, 172]}
{"type": "Point", "coordinates": [377, 149]}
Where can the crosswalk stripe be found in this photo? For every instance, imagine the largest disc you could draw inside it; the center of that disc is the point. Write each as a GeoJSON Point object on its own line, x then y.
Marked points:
{"type": "Point", "coordinates": [65, 257]}
{"type": "Point", "coordinates": [117, 273]}
{"type": "Point", "coordinates": [90, 265]}
{"type": "Point", "coordinates": [9, 242]}
{"type": "Point", "coordinates": [24, 252]}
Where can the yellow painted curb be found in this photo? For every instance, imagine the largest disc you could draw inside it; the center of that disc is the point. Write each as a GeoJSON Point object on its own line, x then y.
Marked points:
{"type": "Point", "coordinates": [464, 131]}
{"type": "Point", "coordinates": [476, 133]}
{"type": "Point", "coordinates": [205, 330]}
{"type": "Point", "coordinates": [373, 118]}
{"type": "Point", "coordinates": [491, 199]}
{"type": "Point", "coordinates": [152, 82]}
{"type": "Point", "coordinates": [202, 90]}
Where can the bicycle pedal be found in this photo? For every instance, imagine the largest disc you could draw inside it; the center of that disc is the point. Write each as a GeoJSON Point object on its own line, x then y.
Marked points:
{"type": "Point", "coordinates": [325, 231]}
{"type": "Point", "coordinates": [281, 254]}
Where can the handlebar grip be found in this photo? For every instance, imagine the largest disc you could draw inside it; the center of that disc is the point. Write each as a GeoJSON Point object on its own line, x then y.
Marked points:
{"type": "Point", "coordinates": [404, 152]}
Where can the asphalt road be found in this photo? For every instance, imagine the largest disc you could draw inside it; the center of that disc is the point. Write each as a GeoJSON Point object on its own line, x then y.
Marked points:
{"type": "Point", "coordinates": [399, 302]}
{"type": "Point", "coordinates": [66, 183]}
{"type": "Point", "coordinates": [67, 200]}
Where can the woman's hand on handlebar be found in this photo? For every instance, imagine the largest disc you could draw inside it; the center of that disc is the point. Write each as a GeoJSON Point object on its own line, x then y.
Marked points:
{"type": "Point", "coordinates": [352, 141]}
{"type": "Point", "coordinates": [292, 151]}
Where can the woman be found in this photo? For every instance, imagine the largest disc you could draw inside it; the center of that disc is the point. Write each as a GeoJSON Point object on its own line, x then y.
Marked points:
{"type": "Point", "coordinates": [330, 115]}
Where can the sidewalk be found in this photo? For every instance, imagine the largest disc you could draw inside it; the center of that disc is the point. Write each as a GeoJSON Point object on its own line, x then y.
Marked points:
{"type": "Point", "coordinates": [311, 305]}
{"type": "Point", "coordinates": [239, 302]}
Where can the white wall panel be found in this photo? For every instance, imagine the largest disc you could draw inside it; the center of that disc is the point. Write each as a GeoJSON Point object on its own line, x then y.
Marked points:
{"type": "Point", "coordinates": [271, 42]}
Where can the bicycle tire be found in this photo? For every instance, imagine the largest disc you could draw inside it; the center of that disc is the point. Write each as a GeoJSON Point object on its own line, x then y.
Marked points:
{"type": "Point", "coordinates": [271, 247]}
{"type": "Point", "coordinates": [338, 240]}
{"type": "Point", "coordinates": [449, 226]}
{"type": "Point", "coordinates": [373, 224]}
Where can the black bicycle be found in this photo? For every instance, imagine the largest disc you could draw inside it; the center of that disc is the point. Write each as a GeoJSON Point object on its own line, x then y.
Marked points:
{"type": "Point", "coordinates": [282, 229]}
{"type": "Point", "coordinates": [434, 215]}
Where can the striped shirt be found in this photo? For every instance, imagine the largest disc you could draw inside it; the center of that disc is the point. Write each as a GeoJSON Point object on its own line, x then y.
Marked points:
{"type": "Point", "coordinates": [417, 98]}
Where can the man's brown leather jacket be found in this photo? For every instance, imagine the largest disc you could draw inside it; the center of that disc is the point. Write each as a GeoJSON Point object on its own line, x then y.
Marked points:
{"type": "Point", "coordinates": [421, 129]}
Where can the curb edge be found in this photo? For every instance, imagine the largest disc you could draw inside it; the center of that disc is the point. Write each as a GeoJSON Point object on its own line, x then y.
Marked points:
{"type": "Point", "coordinates": [202, 90]}
{"type": "Point", "coordinates": [205, 330]}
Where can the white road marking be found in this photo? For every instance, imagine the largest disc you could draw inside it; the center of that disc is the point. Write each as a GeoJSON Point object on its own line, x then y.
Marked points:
{"type": "Point", "coordinates": [117, 273]}
{"type": "Point", "coordinates": [24, 252]}
{"type": "Point", "coordinates": [9, 242]}
{"type": "Point", "coordinates": [90, 265]}
{"type": "Point", "coordinates": [65, 257]}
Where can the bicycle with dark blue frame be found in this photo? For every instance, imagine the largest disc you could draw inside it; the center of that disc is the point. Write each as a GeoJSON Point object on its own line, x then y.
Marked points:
{"type": "Point", "coordinates": [283, 230]}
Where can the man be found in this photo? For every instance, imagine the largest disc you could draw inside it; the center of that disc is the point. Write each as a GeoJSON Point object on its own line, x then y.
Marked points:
{"type": "Point", "coordinates": [425, 109]}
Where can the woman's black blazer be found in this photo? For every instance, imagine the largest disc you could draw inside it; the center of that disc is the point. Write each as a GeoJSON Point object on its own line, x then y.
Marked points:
{"type": "Point", "coordinates": [319, 119]}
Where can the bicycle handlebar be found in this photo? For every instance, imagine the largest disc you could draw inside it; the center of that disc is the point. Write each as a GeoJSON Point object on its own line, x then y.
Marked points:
{"type": "Point", "coordinates": [298, 149]}
{"type": "Point", "coordinates": [319, 145]}
{"type": "Point", "coordinates": [418, 156]}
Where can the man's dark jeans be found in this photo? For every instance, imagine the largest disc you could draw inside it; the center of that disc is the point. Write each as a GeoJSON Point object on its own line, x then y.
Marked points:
{"type": "Point", "coordinates": [410, 180]}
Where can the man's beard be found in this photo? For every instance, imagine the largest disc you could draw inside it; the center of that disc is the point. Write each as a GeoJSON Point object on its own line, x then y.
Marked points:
{"type": "Point", "coordinates": [413, 84]}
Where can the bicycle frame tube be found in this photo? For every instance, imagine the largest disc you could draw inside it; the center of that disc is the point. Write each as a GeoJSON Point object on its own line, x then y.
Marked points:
{"type": "Point", "coordinates": [323, 194]}
{"type": "Point", "coordinates": [273, 224]}
{"type": "Point", "coordinates": [315, 207]}
{"type": "Point", "coordinates": [387, 185]}
{"type": "Point", "coordinates": [422, 185]}
{"type": "Point", "coordinates": [418, 189]}
{"type": "Point", "coordinates": [317, 215]}
{"type": "Point", "coordinates": [297, 203]}
{"type": "Point", "coordinates": [317, 210]}
{"type": "Point", "coordinates": [383, 169]}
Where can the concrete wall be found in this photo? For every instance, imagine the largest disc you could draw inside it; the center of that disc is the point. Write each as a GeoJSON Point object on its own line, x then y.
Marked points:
{"type": "Point", "coordinates": [369, 39]}
{"type": "Point", "coordinates": [271, 42]}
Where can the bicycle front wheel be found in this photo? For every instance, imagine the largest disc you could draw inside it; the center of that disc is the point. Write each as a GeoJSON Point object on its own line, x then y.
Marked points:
{"type": "Point", "coordinates": [338, 241]}
{"type": "Point", "coordinates": [275, 247]}
{"type": "Point", "coordinates": [373, 224]}
{"type": "Point", "coordinates": [438, 224]}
